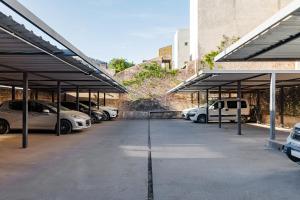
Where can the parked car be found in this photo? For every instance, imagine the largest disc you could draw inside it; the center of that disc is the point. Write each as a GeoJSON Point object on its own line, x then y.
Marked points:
{"type": "Point", "coordinates": [109, 111]}
{"type": "Point", "coordinates": [97, 115]}
{"type": "Point", "coordinates": [42, 116]}
{"type": "Point", "coordinates": [228, 111]}
{"type": "Point", "coordinates": [187, 112]}
{"type": "Point", "coordinates": [292, 147]}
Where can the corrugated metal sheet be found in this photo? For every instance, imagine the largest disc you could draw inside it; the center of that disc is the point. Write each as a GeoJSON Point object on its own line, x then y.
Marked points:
{"type": "Point", "coordinates": [22, 51]}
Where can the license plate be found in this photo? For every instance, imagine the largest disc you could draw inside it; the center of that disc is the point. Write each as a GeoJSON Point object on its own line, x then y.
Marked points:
{"type": "Point", "coordinates": [295, 153]}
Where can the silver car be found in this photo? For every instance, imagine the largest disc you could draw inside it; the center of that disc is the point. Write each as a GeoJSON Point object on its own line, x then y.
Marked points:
{"type": "Point", "coordinates": [42, 116]}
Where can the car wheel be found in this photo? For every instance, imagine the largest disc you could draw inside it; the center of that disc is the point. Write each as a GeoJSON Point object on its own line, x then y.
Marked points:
{"type": "Point", "coordinates": [4, 126]}
{"type": "Point", "coordinates": [65, 127]}
{"type": "Point", "coordinates": [107, 116]}
{"type": "Point", "coordinates": [243, 119]}
{"type": "Point", "coordinates": [93, 120]}
{"type": "Point", "coordinates": [201, 119]}
{"type": "Point", "coordinates": [294, 159]}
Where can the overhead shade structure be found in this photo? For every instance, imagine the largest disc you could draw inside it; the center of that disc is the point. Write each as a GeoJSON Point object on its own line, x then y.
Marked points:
{"type": "Point", "coordinates": [277, 39]}
{"type": "Point", "coordinates": [228, 79]}
{"type": "Point", "coordinates": [30, 62]}
{"type": "Point", "coordinates": [23, 51]}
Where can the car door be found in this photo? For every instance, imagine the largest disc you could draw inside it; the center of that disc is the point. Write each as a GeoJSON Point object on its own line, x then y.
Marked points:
{"type": "Point", "coordinates": [39, 119]}
{"type": "Point", "coordinates": [245, 108]}
{"type": "Point", "coordinates": [14, 114]}
{"type": "Point", "coordinates": [214, 111]}
{"type": "Point", "coordinates": [231, 110]}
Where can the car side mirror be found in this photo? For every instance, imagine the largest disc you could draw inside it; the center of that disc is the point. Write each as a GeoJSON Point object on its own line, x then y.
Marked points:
{"type": "Point", "coordinates": [46, 111]}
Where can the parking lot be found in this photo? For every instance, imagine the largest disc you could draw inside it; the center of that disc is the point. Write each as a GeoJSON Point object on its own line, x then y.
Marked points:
{"type": "Point", "coordinates": [109, 161]}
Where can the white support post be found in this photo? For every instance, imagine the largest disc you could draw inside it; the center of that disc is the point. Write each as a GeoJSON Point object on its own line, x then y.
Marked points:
{"type": "Point", "coordinates": [239, 107]}
{"type": "Point", "coordinates": [272, 106]}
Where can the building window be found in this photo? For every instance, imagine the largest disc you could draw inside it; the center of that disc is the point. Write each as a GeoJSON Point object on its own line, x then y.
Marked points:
{"type": "Point", "coordinates": [186, 43]}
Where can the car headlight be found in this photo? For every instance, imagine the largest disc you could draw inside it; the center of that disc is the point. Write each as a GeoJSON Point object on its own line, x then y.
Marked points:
{"type": "Point", "coordinates": [292, 132]}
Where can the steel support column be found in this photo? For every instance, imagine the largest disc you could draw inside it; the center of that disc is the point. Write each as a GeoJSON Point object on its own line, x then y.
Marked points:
{"type": "Point", "coordinates": [282, 108]}
{"type": "Point", "coordinates": [258, 98]}
{"type": "Point", "coordinates": [65, 96]}
{"type": "Point", "coordinates": [272, 106]}
{"type": "Point", "coordinates": [220, 107]}
{"type": "Point", "coordinates": [98, 100]}
{"type": "Point", "coordinates": [239, 107]}
{"type": "Point", "coordinates": [77, 98]}
{"type": "Point", "coordinates": [104, 99]}
{"type": "Point", "coordinates": [36, 97]}
{"type": "Point", "coordinates": [207, 106]}
{"type": "Point", "coordinates": [13, 93]}
{"type": "Point", "coordinates": [90, 104]}
{"type": "Point", "coordinates": [58, 108]}
{"type": "Point", "coordinates": [198, 99]}
{"type": "Point", "coordinates": [53, 96]}
{"type": "Point", "coordinates": [25, 111]}
{"type": "Point", "coordinates": [258, 106]}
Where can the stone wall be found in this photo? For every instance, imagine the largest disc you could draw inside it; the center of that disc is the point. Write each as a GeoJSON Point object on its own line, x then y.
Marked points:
{"type": "Point", "coordinates": [5, 94]}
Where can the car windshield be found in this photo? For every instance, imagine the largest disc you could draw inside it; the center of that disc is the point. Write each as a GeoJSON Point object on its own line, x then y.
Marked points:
{"type": "Point", "coordinates": [84, 106]}
{"type": "Point", "coordinates": [93, 104]}
{"type": "Point", "coordinates": [54, 105]}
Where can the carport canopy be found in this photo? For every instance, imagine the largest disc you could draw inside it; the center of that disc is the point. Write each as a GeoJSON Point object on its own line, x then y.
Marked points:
{"type": "Point", "coordinates": [23, 51]}
{"type": "Point", "coordinates": [30, 62]}
{"type": "Point", "coordinates": [251, 80]}
{"type": "Point", "coordinates": [277, 39]}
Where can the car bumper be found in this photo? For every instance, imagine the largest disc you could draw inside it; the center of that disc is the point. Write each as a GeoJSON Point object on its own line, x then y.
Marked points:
{"type": "Point", "coordinates": [80, 124]}
{"type": "Point", "coordinates": [114, 114]}
{"type": "Point", "coordinates": [184, 115]}
{"type": "Point", "coordinates": [292, 150]}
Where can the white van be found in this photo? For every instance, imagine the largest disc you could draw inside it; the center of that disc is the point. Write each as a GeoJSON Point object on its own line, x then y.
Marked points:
{"type": "Point", "coordinates": [229, 111]}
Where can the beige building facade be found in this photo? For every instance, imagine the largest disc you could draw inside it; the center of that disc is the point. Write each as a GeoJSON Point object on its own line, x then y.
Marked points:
{"type": "Point", "coordinates": [210, 20]}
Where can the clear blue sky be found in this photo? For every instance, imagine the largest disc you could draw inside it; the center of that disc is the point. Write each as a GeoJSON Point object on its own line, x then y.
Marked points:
{"type": "Point", "coordinates": [133, 29]}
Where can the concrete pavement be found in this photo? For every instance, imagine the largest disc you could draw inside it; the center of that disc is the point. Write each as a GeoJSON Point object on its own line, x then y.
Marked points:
{"type": "Point", "coordinates": [198, 161]}
{"type": "Point", "coordinates": [96, 164]}
{"type": "Point", "coordinates": [109, 161]}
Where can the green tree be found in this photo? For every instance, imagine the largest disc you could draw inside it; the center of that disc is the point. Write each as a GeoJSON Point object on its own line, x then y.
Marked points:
{"type": "Point", "coordinates": [120, 64]}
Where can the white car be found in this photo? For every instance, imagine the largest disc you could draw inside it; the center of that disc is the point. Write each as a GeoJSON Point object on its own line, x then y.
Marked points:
{"type": "Point", "coordinates": [187, 112]}
{"type": "Point", "coordinates": [292, 147]}
{"type": "Point", "coordinates": [228, 111]}
{"type": "Point", "coordinates": [110, 112]}
{"type": "Point", "coordinates": [42, 116]}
